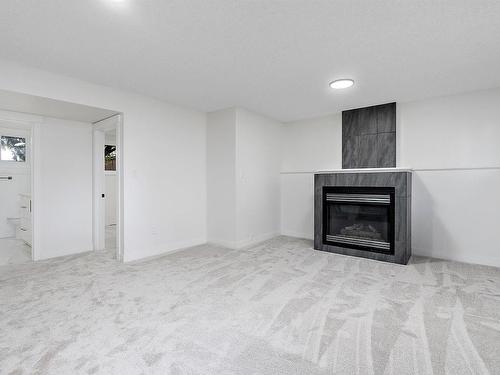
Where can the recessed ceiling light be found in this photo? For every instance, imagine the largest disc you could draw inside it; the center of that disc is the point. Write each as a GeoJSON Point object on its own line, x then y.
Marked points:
{"type": "Point", "coordinates": [341, 83]}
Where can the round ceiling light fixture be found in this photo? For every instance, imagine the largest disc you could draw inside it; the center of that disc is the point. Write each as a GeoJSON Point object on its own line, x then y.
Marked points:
{"type": "Point", "coordinates": [342, 83]}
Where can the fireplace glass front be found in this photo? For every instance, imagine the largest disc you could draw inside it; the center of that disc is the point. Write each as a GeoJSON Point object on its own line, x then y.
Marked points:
{"type": "Point", "coordinates": [359, 217]}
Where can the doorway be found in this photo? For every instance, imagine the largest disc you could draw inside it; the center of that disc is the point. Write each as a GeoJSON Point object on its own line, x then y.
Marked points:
{"type": "Point", "coordinates": [15, 191]}
{"type": "Point", "coordinates": [107, 184]}
{"type": "Point", "coordinates": [48, 151]}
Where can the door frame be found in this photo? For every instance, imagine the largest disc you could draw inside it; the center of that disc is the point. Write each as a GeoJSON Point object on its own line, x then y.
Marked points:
{"type": "Point", "coordinates": [98, 203]}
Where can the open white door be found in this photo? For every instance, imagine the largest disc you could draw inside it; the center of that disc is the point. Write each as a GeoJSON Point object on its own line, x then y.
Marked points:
{"type": "Point", "coordinates": [99, 184]}
{"type": "Point", "coordinates": [99, 234]}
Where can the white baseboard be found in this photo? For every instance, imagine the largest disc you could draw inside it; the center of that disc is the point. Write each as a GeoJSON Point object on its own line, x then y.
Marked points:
{"type": "Point", "coordinates": [255, 240]}
{"type": "Point", "coordinates": [472, 258]}
{"type": "Point", "coordinates": [222, 243]}
{"type": "Point", "coordinates": [164, 250]}
{"type": "Point", "coordinates": [305, 236]}
{"type": "Point", "coordinates": [244, 243]}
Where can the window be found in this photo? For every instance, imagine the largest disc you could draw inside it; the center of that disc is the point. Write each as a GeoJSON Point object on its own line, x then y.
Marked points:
{"type": "Point", "coordinates": [109, 158]}
{"type": "Point", "coordinates": [12, 148]}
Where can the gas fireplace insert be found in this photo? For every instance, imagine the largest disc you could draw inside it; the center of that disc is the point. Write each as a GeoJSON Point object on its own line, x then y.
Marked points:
{"type": "Point", "coordinates": [359, 217]}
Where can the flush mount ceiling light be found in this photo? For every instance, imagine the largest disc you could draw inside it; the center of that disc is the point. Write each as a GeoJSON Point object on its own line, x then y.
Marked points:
{"type": "Point", "coordinates": [341, 83]}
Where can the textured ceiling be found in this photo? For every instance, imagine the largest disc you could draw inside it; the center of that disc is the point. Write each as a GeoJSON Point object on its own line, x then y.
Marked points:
{"type": "Point", "coordinates": [273, 57]}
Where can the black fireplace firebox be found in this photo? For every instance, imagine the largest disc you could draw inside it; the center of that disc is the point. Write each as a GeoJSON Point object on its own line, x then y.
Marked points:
{"type": "Point", "coordinates": [359, 218]}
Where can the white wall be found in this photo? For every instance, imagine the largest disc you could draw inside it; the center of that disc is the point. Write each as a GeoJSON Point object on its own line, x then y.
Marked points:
{"type": "Point", "coordinates": [459, 131]}
{"type": "Point", "coordinates": [452, 143]}
{"type": "Point", "coordinates": [63, 171]}
{"type": "Point", "coordinates": [243, 158]}
{"type": "Point", "coordinates": [455, 210]}
{"type": "Point", "coordinates": [455, 215]}
{"type": "Point", "coordinates": [312, 144]}
{"type": "Point", "coordinates": [297, 204]}
{"type": "Point", "coordinates": [221, 177]}
{"type": "Point", "coordinates": [258, 160]}
{"type": "Point", "coordinates": [164, 191]}
{"type": "Point", "coordinates": [308, 145]}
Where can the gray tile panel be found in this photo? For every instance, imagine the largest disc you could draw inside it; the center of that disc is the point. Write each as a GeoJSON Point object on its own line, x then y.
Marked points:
{"type": "Point", "coordinates": [386, 150]}
{"type": "Point", "coordinates": [367, 151]}
{"type": "Point", "coordinates": [386, 118]}
{"type": "Point", "coordinates": [369, 137]}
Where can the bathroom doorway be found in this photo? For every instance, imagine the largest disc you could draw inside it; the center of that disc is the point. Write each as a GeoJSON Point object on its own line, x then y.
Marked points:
{"type": "Point", "coordinates": [15, 190]}
{"type": "Point", "coordinates": [46, 184]}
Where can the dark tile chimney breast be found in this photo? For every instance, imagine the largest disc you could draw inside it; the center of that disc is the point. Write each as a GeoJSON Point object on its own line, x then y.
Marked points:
{"type": "Point", "coordinates": [369, 137]}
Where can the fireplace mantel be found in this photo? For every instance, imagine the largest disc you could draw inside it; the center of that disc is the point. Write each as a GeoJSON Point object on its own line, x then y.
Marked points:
{"type": "Point", "coordinates": [367, 170]}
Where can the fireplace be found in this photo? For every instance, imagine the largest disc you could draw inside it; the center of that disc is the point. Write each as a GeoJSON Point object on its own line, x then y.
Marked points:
{"type": "Point", "coordinates": [364, 209]}
{"type": "Point", "coordinates": [359, 218]}
{"type": "Point", "coordinates": [364, 213]}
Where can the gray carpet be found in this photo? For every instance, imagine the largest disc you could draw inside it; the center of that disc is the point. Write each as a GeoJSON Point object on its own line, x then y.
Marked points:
{"type": "Point", "coordinates": [277, 308]}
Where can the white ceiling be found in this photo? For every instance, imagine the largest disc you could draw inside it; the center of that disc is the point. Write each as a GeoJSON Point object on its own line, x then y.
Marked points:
{"type": "Point", "coordinates": [273, 57]}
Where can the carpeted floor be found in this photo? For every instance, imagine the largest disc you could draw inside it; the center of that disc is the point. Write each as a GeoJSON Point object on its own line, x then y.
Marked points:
{"type": "Point", "coordinates": [277, 308]}
{"type": "Point", "coordinates": [14, 251]}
